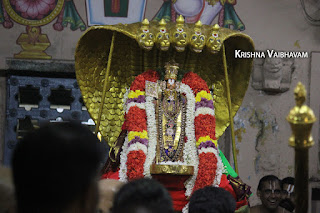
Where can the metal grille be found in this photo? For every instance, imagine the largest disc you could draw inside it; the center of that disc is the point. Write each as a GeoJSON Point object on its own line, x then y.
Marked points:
{"type": "Point", "coordinates": [33, 101]}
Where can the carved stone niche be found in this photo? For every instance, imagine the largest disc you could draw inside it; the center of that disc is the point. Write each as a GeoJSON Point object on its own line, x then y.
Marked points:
{"type": "Point", "coordinates": [272, 75]}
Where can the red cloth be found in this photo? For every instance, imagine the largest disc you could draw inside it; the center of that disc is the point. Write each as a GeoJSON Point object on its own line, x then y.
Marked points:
{"type": "Point", "coordinates": [175, 186]}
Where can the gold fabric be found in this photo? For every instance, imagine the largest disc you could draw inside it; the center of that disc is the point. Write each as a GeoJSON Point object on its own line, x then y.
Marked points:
{"type": "Point", "coordinates": [130, 60]}
{"type": "Point", "coordinates": [171, 169]}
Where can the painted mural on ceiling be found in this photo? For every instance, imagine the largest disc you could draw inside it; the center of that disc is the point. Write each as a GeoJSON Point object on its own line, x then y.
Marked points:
{"type": "Point", "coordinates": [34, 14]}
{"type": "Point", "coordinates": [204, 10]}
{"type": "Point", "coordinates": [130, 11]}
{"type": "Point", "coordinates": [108, 12]}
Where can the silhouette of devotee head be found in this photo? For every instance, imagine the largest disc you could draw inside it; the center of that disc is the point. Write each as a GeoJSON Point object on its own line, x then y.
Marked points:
{"type": "Point", "coordinates": [212, 200]}
{"type": "Point", "coordinates": [288, 195]}
{"type": "Point", "coordinates": [107, 190]}
{"type": "Point", "coordinates": [142, 196]}
{"type": "Point", "coordinates": [269, 192]}
{"type": "Point", "coordinates": [55, 169]}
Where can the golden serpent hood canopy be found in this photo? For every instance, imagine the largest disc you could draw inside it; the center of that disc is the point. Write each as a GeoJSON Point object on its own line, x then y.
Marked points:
{"type": "Point", "coordinates": [142, 46]}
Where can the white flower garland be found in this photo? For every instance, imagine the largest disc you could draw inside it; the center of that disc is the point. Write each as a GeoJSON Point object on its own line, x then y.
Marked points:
{"type": "Point", "coordinates": [123, 161]}
{"type": "Point", "coordinates": [190, 155]}
{"type": "Point", "coordinates": [206, 150]}
{"type": "Point", "coordinates": [219, 169]}
{"type": "Point", "coordinates": [138, 146]}
{"type": "Point", "coordinates": [139, 105]}
{"type": "Point", "coordinates": [152, 135]}
{"type": "Point", "coordinates": [204, 111]}
{"type": "Point", "coordinates": [186, 208]}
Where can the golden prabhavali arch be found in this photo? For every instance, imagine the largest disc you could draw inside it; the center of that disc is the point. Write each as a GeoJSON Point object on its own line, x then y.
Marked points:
{"type": "Point", "coordinates": [130, 59]}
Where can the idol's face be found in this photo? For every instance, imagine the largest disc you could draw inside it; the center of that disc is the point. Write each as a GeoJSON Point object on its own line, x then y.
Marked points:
{"type": "Point", "coordinates": [270, 194]}
{"type": "Point", "coordinates": [171, 83]}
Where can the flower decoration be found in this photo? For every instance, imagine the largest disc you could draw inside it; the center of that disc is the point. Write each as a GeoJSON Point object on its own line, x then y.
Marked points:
{"type": "Point", "coordinates": [195, 82]}
{"type": "Point", "coordinates": [204, 103]}
{"type": "Point", "coordinates": [140, 80]}
{"type": "Point", "coordinates": [203, 95]}
{"type": "Point", "coordinates": [207, 170]}
{"type": "Point", "coordinates": [136, 114]}
{"type": "Point", "coordinates": [135, 163]}
{"type": "Point", "coordinates": [140, 148]}
{"type": "Point", "coordinates": [205, 125]}
{"type": "Point", "coordinates": [136, 94]}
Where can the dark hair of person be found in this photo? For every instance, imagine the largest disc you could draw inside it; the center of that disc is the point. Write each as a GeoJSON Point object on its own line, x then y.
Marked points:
{"type": "Point", "coordinates": [54, 166]}
{"type": "Point", "coordinates": [212, 200]}
{"type": "Point", "coordinates": [287, 180]}
{"type": "Point", "coordinates": [142, 193]}
{"type": "Point", "coordinates": [268, 178]}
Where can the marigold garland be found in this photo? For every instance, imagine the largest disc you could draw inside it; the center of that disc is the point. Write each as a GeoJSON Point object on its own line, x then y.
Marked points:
{"type": "Point", "coordinates": [205, 139]}
{"type": "Point", "coordinates": [195, 82]}
{"type": "Point", "coordinates": [207, 170]}
{"type": "Point", "coordinates": [203, 94]}
{"type": "Point", "coordinates": [136, 119]}
{"type": "Point", "coordinates": [140, 80]}
{"type": "Point", "coordinates": [205, 126]}
{"type": "Point", "coordinates": [135, 161]}
{"type": "Point", "coordinates": [133, 134]}
{"type": "Point", "coordinates": [135, 93]}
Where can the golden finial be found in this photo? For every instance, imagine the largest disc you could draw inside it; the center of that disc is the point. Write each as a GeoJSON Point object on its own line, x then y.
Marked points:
{"type": "Point", "coordinates": [171, 70]}
{"type": "Point", "coordinates": [300, 94]}
{"type": "Point", "coordinates": [198, 24]}
{"type": "Point", "coordinates": [145, 25]}
{"type": "Point", "coordinates": [180, 20]}
{"type": "Point", "coordinates": [162, 23]}
{"type": "Point", "coordinates": [301, 119]}
{"type": "Point", "coordinates": [216, 27]}
{"type": "Point", "coordinates": [145, 22]}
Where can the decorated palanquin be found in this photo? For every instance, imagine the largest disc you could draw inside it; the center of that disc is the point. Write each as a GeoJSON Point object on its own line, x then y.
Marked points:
{"type": "Point", "coordinates": [162, 94]}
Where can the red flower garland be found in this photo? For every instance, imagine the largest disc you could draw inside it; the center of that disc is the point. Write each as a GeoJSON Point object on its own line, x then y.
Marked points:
{"type": "Point", "coordinates": [207, 170]}
{"type": "Point", "coordinates": [204, 126]}
{"type": "Point", "coordinates": [136, 119]}
{"type": "Point", "coordinates": [135, 164]}
{"type": "Point", "coordinates": [195, 82]}
{"type": "Point", "coordinates": [140, 81]}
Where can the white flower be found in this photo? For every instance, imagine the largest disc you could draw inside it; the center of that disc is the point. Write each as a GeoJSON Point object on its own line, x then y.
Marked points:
{"type": "Point", "coordinates": [204, 111]}
{"type": "Point", "coordinates": [186, 208]}
{"type": "Point", "coordinates": [140, 105]}
{"type": "Point", "coordinates": [138, 146]}
{"type": "Point", "coordinates": [152, 134]}
{"type": "Point", "coordinates": [190, 155]}
{"type": "Point", "coordinates": [219, 170]}
{"type": "Point", "coordinates": [123, 161]}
